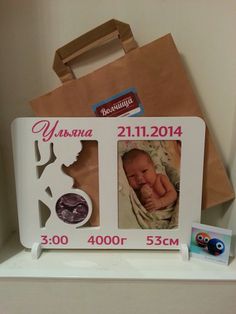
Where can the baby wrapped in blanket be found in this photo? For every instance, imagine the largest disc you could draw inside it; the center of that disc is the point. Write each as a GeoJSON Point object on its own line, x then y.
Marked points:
{"type": "Point", "coordinates": [153, 197]}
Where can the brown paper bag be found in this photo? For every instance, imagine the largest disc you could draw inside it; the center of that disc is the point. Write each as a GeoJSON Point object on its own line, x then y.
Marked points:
{"type": "Point", "coordinates": [157, 73]}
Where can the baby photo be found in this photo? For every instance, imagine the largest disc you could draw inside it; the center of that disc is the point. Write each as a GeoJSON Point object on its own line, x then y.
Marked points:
{"type": "Point", "coordinates": [149, 182]}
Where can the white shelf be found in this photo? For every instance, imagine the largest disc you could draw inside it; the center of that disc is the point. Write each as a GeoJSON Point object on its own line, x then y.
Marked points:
{"type": "Point", "coordinates": [16, 262]}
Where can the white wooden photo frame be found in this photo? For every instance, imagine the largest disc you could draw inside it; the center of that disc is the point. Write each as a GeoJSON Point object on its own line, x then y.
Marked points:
{"type": "Point", "coordinates": [123, 222]}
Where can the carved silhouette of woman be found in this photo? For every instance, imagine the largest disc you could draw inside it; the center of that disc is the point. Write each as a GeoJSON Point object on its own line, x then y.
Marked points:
{"type": "Point", "coordinates": [70, 205]}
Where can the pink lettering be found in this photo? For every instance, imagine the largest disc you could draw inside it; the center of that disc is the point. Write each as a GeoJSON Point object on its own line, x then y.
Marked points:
{"type": "Point", "coordinates": [43, 126]}
{"type": "Point", "coordinates": [47, 131]}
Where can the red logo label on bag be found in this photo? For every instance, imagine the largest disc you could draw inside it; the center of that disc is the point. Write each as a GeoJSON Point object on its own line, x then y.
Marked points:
{"type": "Point", "coordinates": [121, 105]}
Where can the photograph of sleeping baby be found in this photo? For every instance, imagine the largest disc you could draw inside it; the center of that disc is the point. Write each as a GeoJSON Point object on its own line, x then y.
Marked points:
{"type": "Point", "coordinates": [149, 181]}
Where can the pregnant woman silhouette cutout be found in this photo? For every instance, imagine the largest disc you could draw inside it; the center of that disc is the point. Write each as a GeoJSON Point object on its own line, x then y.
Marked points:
{"type": "Point", "coordinates": [71, 205]}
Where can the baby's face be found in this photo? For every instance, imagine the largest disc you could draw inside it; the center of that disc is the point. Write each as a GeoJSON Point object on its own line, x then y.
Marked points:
{"type": "Point", "coordinates": [140, 171]}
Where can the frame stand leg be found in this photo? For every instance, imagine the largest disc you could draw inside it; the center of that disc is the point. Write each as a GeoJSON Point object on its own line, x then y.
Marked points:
{"type": "Point", "coordinates": [36, 250]}
{"type": "Point", "coordinates": [184, 251]}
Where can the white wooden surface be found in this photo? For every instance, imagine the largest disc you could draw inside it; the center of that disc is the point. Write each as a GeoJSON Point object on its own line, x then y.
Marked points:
{"type": "Point", "coordinates": [204, 32]}
{"type": "Point", "coordinates": [16, 262]}
{"type": "Point", "coordinates": [119, 296]}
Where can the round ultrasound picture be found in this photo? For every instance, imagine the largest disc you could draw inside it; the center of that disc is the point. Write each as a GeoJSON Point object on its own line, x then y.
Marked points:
{"type": "Point", "coordinates": [72, 208]}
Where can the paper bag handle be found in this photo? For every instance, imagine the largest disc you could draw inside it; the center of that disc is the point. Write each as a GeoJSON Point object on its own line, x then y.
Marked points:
{"type": "Point", "coordinates": [94, 38]}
